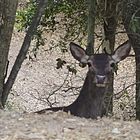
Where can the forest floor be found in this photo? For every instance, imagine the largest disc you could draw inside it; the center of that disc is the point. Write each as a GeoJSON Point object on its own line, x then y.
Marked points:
{"type": "Point", "coordinates": [62, 126]}
{"type": "Point", "coordinates": [38, 78]}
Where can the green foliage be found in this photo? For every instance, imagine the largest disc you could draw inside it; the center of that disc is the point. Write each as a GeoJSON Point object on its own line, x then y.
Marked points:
{"type": "Point", "coordinates": [71, 69]}
{"type": "Point", "coordinates": [125, 102]}
{"type": "Point", "coordinates": [60, 63]}
{"type": "Point", "coordinates": [135, 22]}
{"type": "Point", "coordinates": [70, 17]}
{"type": "Point", "coordinates": [24, 16]}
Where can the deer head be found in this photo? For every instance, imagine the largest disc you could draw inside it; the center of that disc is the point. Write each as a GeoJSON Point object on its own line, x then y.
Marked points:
{"type": "Point", "coordinates": [100, 65]}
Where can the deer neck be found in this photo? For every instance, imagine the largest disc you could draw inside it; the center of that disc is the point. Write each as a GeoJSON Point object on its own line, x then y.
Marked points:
{"type": "Point", "coordinates": [90, 102]}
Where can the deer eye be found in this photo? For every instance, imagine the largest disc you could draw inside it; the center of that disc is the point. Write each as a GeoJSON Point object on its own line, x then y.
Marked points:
{"type": "Point", "coordinates": [82, 65]}
{"type": "Point", "coordinates": [113, 65]}
{"type": "Point", "coordinates": [89, 64]}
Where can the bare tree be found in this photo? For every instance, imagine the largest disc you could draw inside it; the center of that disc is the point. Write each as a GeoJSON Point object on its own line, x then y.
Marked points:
{"type": "Point", "coordinates": [7, 18]}
{"type": "Point", "coordinates": [24, 49]}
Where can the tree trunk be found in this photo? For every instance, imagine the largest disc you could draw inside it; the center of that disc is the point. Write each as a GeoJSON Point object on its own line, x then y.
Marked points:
{"type": "Point", "coordinates": [130, 12]}
{"type": "Point", "coordinates": [24, 49]}
{"type": "Point", "coordinates": [137, 59]}
{"type": "Point", "coordinates": [7, 18]}
{"type": "Point", "coordinates": [110, 23]}
{"type": "Point", "coordinates": [91, 26]}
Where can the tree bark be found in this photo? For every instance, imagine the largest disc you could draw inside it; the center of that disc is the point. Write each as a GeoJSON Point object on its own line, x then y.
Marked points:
{"type": "Point", "coordinates": [132, 10]}
{"type": "Point", "coordinates": [7, 19]}
{"type": "Point", "coordinates": [137, 59]}
{"type": "Point", "coordinates": [24, 49]}
{"type": "Point", "coordinates": [110, 23]}
{"type": "Point", "coordinates": [91, 26]}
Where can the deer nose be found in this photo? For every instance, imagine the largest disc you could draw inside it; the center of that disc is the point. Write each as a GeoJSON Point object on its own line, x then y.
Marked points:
{"type": "Point", "coordinates": [100, 79]}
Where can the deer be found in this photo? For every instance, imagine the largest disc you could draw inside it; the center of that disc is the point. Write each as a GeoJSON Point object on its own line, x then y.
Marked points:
{"type": "Point", "coordinates": [90, 102]}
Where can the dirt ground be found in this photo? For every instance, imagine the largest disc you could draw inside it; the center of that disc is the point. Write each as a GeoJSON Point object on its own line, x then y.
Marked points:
{"type": "Point", "coordinates": [62, 126]}
{"type": "Point", "coordinates": [38, 78]}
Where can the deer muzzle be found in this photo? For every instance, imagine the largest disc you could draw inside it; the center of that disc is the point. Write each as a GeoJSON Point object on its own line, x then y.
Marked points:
{"type": "Point", "coordinates": [100, 80]}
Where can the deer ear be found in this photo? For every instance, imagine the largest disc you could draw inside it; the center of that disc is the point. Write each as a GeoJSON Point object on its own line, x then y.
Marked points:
{"type": "Point", "coordinates": [122, 51]}
{"type": "Point", "coordinates": [78, 53]}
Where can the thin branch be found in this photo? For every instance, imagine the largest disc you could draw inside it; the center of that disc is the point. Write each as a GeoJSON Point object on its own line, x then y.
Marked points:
{"type": "Point", "coordinates": [120, 95]}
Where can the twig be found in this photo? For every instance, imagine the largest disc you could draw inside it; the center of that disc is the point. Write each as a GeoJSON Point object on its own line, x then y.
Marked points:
{"type": "Point", "coordinates": [123, 90]}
